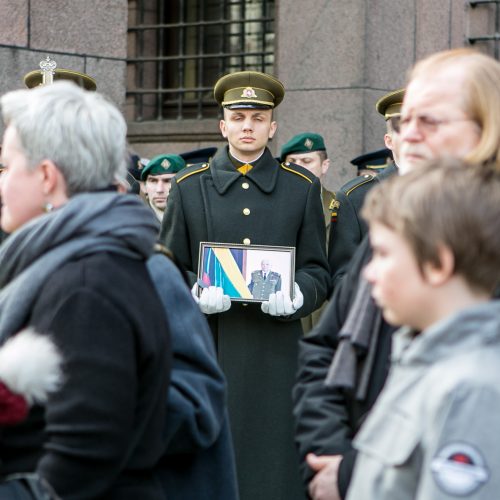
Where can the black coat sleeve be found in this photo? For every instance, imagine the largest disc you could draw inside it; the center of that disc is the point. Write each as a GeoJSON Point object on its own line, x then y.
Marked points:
{"type": "Point", "coordinates": [323, 423]}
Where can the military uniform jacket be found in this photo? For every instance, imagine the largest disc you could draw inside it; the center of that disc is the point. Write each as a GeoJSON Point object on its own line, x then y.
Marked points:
{"type": "Point", "coordinates": [348, 228]}
{"type": "Point", "coordinates": [272, 205]}
{"type": "Point", "coordinates": [261, 288]}
{"type": "Point", "coordinates": [433, 433]}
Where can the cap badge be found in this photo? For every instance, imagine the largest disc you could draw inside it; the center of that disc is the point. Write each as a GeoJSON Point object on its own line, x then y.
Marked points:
{"type": "Point", "coordinates": [165, 163]}
{"type": "Point", "coordinates": [48, 67]}
{"type": "Point", "coordinates": [308, 144]}
{"type": "Point", "coordinates": [249, 92]}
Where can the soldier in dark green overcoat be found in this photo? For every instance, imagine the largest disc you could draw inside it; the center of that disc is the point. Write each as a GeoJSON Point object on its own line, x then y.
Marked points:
{"type": "Point", "coordinates": [347, 228]}
{"type": "Point", "coordinates": [244, 195]}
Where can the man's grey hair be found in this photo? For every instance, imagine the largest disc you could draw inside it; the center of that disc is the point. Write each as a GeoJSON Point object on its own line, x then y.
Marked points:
{"type": "Point", "coordinates": [82, 132]}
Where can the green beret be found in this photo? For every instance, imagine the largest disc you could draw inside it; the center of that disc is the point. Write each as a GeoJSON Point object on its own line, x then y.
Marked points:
{"type": "Point", "coordinates": [303, 143]}
{"type": "Point", "coordinates": [249, 90]}
{"type": "Point", "coordinates": [163, 164]}
{"type": "Point", "coordinates": [389, 105]}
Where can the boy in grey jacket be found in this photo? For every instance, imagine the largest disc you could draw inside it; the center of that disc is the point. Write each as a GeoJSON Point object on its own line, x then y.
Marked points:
{"type": "Point", "coordinates": [433, 432]}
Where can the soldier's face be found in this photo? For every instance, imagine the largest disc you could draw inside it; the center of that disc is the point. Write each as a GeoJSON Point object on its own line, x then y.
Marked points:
{"type": "Point", "coordinates": [312, 161]}
{"type": "Point", "coordinates": [157, 189]}
{"type": "Point", "coordinates": [247, 131]}
{"type": "Point", "coordinates": [399, 287]}
{"type": "Point", "coordinates": [434, 123]}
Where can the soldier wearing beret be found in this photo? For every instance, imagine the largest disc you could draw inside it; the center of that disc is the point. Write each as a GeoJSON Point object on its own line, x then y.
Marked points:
{"type": "Point", "coordinates": [156, 177]}
{"type": "Point", "coordinates": [244, 195]}
{"type": "Point", "coordinates": [347, 228]}
{"type": "Point", "coordinates": [308, 150]}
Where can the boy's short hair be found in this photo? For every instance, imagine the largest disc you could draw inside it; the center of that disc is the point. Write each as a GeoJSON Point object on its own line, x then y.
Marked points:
{"type": "Point", "coordinates": [445, 202]}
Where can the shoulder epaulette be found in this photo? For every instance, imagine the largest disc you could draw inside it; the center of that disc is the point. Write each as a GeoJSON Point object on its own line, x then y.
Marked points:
{"type": "Point", "coordinates": [356, 183]}
{"type": "Point", "coordinates": [304, 173]}
{"type": "Point", "coordinates": [189, 171]}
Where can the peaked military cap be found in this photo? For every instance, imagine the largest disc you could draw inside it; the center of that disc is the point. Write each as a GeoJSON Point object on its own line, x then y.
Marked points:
{"type": "Point", "coordinates": [374, 160]}
{"type": "Point", "coordinates": [249, 90]}
{"type": "Point", "coordinates": [163, 164]}
{"type": "Point", "coordinates": [303, 143]}
{"type": "Point", "coordinates": [198, 155]}
{"type": "Point", "coordinates": [389, 105]}
{"type": "Point", "coordinates": [48, 73]}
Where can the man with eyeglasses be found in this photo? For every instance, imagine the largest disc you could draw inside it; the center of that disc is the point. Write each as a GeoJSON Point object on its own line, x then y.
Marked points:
{"type": "Point", "coordinates": [450, 109]}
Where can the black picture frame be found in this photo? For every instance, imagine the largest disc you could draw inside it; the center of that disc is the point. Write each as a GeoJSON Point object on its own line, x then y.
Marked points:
{"type": "Point", "coordinates": [247, 273]}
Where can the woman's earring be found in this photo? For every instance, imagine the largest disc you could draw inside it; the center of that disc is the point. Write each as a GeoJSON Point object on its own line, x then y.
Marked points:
{"type": "Point", "coordinates": [48, 207]}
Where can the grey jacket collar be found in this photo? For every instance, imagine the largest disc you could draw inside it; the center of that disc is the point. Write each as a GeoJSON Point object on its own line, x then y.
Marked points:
{"type": "Point", "coordinates": [471, 328]}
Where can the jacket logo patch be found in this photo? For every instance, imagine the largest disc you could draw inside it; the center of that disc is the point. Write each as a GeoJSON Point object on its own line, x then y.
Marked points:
{"type": "Point", "coordinates": [459, 469]}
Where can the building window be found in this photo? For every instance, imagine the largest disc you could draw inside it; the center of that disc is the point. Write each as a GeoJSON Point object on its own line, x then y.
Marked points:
{"type": "Point", "coordinates": [178, 49]}
{"type": "Point", "coordinates": [484, 26]}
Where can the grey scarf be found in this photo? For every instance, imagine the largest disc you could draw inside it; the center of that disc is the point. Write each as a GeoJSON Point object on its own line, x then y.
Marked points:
{"type": "Point", "coordinates": [357, 338]}
{"type": "Point", "coordinates": [88, 223]}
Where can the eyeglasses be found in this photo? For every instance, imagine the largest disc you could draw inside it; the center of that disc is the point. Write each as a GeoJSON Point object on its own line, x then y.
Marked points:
{"type": "Point", "coordinates": [425, 123]}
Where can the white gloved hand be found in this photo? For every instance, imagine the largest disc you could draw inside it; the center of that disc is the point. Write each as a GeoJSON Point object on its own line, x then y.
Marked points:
{"type": "Point", "coordinates": [280, 304]}
{"type": "Point", "coordinates": [212, 299]}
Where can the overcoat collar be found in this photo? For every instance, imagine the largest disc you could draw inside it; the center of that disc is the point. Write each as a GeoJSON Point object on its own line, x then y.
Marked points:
{"type": "Point", "coordinates": [264, 173]}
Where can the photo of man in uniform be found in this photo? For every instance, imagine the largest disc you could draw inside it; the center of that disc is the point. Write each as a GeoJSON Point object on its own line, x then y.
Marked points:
{"type": "Point", "coordinates": [265, 281]}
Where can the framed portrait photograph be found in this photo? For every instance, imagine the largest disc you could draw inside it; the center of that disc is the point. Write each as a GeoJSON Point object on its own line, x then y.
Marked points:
{"type": "Point", "coordinates": [247, 273]}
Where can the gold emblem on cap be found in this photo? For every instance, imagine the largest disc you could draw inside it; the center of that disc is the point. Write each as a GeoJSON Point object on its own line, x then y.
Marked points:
{"type": "Point", "coordinates": [165, 163]}
{"type": "Point", "coordinates": [249, 92]}
{"type": "Point", "coordinates": [308, 143]}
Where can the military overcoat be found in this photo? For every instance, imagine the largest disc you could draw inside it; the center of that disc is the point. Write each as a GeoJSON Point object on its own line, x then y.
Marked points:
{"type": "Point", "coordinates": [273, 204]}
{"type": "Point", "coordinates": [348, 228]}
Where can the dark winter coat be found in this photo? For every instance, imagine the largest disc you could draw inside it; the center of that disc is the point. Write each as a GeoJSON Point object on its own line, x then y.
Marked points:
{"type": "Point", "coordinates": [99, 435]}
{"type": "Point", "coordinates": [327, 419]}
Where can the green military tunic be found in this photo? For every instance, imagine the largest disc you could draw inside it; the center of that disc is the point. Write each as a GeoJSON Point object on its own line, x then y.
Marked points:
{"type": "Point", "coordinates": [261, 286]}
{"type": "Point", "coordinates": [273, 204]}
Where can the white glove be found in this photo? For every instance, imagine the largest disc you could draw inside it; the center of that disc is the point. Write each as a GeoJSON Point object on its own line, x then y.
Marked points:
{"type": "Point", "coordinates": [212, 299]}
{"type": "Point", "coordinates": [280, 304]}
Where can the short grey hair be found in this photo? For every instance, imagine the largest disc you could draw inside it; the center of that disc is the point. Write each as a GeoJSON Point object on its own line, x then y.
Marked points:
{"type": "Point", "coordinates": [82, 132]}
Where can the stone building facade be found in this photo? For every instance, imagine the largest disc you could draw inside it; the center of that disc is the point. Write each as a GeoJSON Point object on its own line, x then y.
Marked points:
{"type": "Point", "coordinates": [336, 58]}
